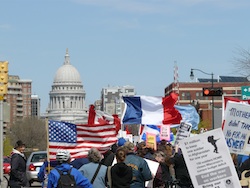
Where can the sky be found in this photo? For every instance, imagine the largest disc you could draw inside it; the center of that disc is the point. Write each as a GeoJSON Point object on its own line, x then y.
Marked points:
{"type": "Point", "coordinates": [122, 42]}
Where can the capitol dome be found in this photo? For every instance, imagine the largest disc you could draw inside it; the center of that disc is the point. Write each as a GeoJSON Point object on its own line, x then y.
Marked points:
{"type": "Point", "coordinates": [67, 95]}
{"type": "Point", "coordinates": [67, 73]}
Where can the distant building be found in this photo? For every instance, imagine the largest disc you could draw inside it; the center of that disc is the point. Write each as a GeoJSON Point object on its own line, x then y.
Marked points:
{"type": "Point", "coordinates": [67, 97]}
{"type": "Point", "coordinates": [192, 93]}
{"type": "Point", "coordinates": [111, 98]}
{"type": "Point", "coordinates": [35, 106]}
{"type": "Point", "coordinates": [19, 98]}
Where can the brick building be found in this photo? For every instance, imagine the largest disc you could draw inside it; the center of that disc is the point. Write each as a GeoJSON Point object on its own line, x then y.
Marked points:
{"type": "Point", "coordinates": [192, 93]}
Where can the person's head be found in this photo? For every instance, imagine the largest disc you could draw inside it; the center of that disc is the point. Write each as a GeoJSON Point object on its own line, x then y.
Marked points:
{"type": "Point", "coordinates": [94, 155]}
{"type": "Point", "coordinates": [120, 154]}
{"type": "Point", "coordinates": [129, 147]}
{"type": "Point", "coordinates": [159, 156]}
{"type": "Point", "coordinates": [63, 156]}
{"type": "Point", "coordinates": [20, 146]}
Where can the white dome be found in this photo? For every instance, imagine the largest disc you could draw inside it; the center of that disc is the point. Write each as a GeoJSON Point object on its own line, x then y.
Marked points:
{"type": "Point", "coordinates": [67, 73]}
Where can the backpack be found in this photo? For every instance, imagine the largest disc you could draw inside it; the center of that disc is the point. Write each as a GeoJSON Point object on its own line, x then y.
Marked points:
{"type": "Point", "coordinates": [66, 180]}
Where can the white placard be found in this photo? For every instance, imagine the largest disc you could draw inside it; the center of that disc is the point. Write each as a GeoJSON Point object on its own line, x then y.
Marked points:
{"type": "Point", "coordinates": [153, 166]}
{"type": "Point", "coordinates": [209, 161]}
{"type": "Point", "coordinates": [183, 132]}
{"type": "Point", "coordinates": [236, 127]}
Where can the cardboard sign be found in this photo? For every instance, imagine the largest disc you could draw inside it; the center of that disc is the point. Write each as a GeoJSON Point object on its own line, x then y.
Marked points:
{"type": "Point", "coordinates": [151, 140]}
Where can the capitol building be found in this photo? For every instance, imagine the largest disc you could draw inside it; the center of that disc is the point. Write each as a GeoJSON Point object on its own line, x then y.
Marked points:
{"type": "Point", "coordinates": [67, 96]}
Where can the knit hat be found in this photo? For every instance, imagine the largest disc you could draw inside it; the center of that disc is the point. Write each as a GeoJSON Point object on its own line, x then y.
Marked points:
{"type": "Point", "coordinates": [121, 141]}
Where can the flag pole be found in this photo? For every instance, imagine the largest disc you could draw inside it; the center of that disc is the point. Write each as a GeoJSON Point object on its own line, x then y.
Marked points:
{"type": "Point", "coordinates": [47, 132]}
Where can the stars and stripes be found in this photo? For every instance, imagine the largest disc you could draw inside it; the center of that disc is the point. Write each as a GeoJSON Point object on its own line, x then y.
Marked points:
{"type": "Point", "coordinates": [78, 139]}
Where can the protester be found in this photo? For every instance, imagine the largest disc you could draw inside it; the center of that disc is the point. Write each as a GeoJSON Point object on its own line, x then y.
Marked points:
{"type": "Point", "coordinates": [120, 175]}
{"type": "Point", "coordinates": [181, 171]}
{"type": "Point", "coordinates": [144, 151]}
{"type": "Point", "coordinates": [94, 170]}
{"type": "Point", "coordinates": [55, 176]}
{"type": "Point", "coordinates": [108, 157]}
{"type": "Point", "coordinates": [168, 172]}
{"type": "Point", "coordinates": [141, 171]}
{"type": "Point", "coordinates": [158, 181]}
{"type": "Point", "coordinates": [44, 171]}
{"type": "Point", "coordinates": [245, 166]}
{"type": "Point", "coordinates": [18, 177]}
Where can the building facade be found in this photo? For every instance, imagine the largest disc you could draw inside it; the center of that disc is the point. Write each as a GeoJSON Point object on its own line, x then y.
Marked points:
{"type": "Point", "coordinates": [192, 93]}
{"type": "Point", "coordinates": [111, 98]}
{"type": "Point", "coordinates": [19, 98]}
{"type": "Point", "coordinates": [35, 106]}
{"type": "Point", "coordinates": [67, 97]}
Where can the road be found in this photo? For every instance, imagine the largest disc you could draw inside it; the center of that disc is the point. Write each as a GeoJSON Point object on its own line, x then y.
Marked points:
{"type": "Point", "coordinates": [4, 183]}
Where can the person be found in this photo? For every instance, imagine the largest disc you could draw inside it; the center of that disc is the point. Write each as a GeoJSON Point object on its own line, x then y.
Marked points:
{"type": "Point", "coordinates": [18, 166]}
{"type": "Point", "coordinates": [109, 156]}
{"type": "Point", "coordinates": [43, 171]}
{"type": "Point", "coordinates": [181, 171]}
{"type": "Point", "coordinates": [120, 173]}
{"type": "Point", "coordinates": [94, 170]}
{"type": "Point", "coordinates": [63, 158]}
{"type": "Point", "coordinates": [140, 169]}
{"type": "Point", "coordinates": [144, 151]}
{"type": "Point", "coordinates": [158, 181]}
{"type": "Point", "coordinates": [244, 166]}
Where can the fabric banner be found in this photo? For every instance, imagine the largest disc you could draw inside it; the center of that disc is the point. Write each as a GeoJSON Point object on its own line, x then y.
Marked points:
{"type": "Point", "coordinates": [78, 139]}
{"type": "Point", "coordinates": [151, 110]}
{"type": "Point", "coordinates": [189, 115]}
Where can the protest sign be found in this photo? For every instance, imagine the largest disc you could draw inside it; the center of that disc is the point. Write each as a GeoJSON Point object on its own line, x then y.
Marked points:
{"type": "Point", "coordinates": [153, 166]}
{"type": "Point", "coordinates": [151, 140]}
{"type": "Point", "coordinates": [209, 161]}
{"type": "Point", "coordinates": [165, 132]}
{"type": "Point", "coordinates": [236, 126]}
{"type": "Point", "coordinates": [183, 132]}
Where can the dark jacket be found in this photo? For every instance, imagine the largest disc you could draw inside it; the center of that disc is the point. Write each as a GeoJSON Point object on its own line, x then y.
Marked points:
{"type": "Point", "coordinates": [18, 170]}
{"type": "Point", "coordinates": [181, 171]}
{"type": "Point", "coordinates": [245, 166]}
{"type": "Point", "coordinates": [141, 171]}
{"type": "Point", "coordinates": [121, 175]}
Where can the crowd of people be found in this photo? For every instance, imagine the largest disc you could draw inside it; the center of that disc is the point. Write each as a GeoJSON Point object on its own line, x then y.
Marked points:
{"type": "Point", "coordinates": [123, 166]}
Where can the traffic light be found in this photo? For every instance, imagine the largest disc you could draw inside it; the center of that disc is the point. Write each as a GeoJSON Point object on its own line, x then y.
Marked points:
{"type": "Point", "coordinates": [3, 77]}
{"type": "Point", "coordinates": [215, 91]}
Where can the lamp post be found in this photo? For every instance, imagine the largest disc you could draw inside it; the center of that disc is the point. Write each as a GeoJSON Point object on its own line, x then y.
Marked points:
{"type": "Point", "coordinates": [192, 77]}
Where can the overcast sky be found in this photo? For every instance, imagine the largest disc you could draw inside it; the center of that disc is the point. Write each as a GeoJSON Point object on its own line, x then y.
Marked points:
{"type": "Point", "coordinates": [122, 42]}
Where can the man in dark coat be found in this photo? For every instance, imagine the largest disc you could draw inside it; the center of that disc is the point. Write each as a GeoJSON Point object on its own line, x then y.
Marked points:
{"type": "Point", "coordinates": [18, 166]}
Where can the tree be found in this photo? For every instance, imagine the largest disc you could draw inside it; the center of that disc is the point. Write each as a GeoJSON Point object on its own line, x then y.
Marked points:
{"type": "Point", "coordinates": [7, 147]}
{"type": "Point", "coordinates": [242, 62]}
{"type": "Point", "coordinates": [31, 131]}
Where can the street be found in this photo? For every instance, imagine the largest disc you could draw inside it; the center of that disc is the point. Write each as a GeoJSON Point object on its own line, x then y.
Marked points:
{"type": "Point", "coordinates": [4, 183]}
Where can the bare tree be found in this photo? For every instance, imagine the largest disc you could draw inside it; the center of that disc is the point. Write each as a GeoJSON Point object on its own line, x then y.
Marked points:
{"type": "Point", "coordinates": [31, 131]}
{"type": "Point", "coordinates": [242, 62]}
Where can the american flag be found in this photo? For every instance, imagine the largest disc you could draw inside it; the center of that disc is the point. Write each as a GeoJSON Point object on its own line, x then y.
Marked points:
{"type": "Point", "coordinates": [78, 139]}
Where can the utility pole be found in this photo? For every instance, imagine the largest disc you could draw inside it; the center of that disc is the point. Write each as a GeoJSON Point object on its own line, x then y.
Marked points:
{"type": "Point", "coordinates": [3, 92]}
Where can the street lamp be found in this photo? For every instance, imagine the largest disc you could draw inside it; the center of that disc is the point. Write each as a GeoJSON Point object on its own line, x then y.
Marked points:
{"type": "Point", "coordinates": [192, 77]}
